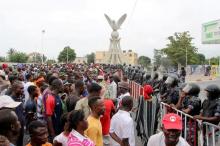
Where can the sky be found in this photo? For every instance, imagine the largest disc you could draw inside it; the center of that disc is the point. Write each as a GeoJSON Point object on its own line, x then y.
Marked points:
{"type": "Point", "coordinates": [81, 24]}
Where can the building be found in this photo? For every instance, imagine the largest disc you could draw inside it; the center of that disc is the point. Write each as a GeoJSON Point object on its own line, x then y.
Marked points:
{"type": "Point", "coordinates": [80, 60]}
{"type": "Point", "coordinates": [130, 57]}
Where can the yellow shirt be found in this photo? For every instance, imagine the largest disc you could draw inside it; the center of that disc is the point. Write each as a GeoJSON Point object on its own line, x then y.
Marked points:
{"type": "Point", "coordinates": [94, 131]}
{"type": "Point", "coordinates": [46, 144]}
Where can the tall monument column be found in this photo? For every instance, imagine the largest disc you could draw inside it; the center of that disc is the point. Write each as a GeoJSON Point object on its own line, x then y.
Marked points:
{"type": "Point", "coordinates": [115, 55]}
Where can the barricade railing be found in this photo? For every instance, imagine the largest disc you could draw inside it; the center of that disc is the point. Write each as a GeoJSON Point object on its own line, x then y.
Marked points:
{"type": "Point", "coordinates": [135, 89]}
{"type": "Point", "coordinates": [195, 132]}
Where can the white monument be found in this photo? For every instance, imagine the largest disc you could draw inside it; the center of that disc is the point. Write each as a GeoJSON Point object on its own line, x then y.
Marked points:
{"type": "Point", "coordinates": [115, 55]}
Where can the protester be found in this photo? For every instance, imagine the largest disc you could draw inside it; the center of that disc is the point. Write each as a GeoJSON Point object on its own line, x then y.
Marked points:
{"type": "Point", "coordinates": [40, 104]}
{"type": "Point", "coordinates": [122, 125]}
{"type": "Point", "coordinates": [17, 95]}
{"type": "Point", "coordinates": [94, 131]}
{"type": "Point", "coordinates": [38, 134]}
{"type": "Point", "coordinates": [171, 131]}
{"type": "Point", "coordinates": [106, 119]}
{"type": "Point", "coordinates": [53, 108]}
{"type": "Point", "coordinates": [94, 89]}
{"type": "Point", "coordinates": [112, 88]}
{"type": "Point", "coordinates": [62, 138]}
{"type": "Point", "coordinates": [31, 104]}
{"type": "Point", "coordinates": [79, 88]}
{"type": "Point", "coordinates": [4, 141]}
{"type": "Point", "coordinates": [9, 125]}
{"type": "Point", "coordinates": [123, 90]}
{"type": "Point", "coordinates": [29, 82]}
{"type": "Point", "coordinates": [78, 124]}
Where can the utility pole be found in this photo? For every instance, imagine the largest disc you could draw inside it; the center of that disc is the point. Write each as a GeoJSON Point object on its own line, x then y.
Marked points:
{"type": "Point", "coordinates": [67, 55]}
{"type": "Point", "coordinates": [186, 57]}
{"type": "Point", "coordinates": [42, 47]}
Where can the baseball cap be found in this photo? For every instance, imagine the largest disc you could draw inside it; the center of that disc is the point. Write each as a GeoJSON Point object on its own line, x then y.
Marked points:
{"type": "Point", "coordinates": [172, 121]}
{"type": "Point", "coordinates": [8, 102]}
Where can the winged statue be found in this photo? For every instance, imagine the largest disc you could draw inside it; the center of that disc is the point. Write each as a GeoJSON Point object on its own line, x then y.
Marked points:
{"type": "Point", "coordinates": [115, 26]}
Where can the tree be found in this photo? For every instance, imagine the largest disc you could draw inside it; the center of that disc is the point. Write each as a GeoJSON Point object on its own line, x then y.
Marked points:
{"type": "Point", "coordinates": [11, 51]}
{"type": "Point", "coordinates": [144, 61]}
{"type": "Point", "coordinates": [179, 45]}
{"type": "Point", "coordinates": [2, 59]}
{"type": "Point", "coordinates": [91, 58]}
{"type": "Point", "coordinates": [213, 61]}
{"type": "Point", "coordinates": [158, 54]}
{"type": "Point", "coordinates": [67, 55]}
{"type": "Point", "coordinates": [201, 58]}
{"type": "Point", "coordinates": [18, 57]}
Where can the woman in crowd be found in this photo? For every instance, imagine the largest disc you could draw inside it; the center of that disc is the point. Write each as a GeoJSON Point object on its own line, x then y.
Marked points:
{"type": "Point", "coordinates": [62, 138]}
{"type": "Point", "coordinates": [78, 124]}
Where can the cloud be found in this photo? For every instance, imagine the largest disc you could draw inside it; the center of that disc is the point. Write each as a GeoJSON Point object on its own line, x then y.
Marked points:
{"type": "Point", "coordinates": [81, 24]}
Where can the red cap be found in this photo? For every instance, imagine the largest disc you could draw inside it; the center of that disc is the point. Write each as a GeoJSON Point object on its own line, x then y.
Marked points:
{"type": "Point", "coordinates": [147, 91]}
{"type": "Point", "coordinates": [172, 121]}
{"type": "Point", "coordinates": [4, 66]}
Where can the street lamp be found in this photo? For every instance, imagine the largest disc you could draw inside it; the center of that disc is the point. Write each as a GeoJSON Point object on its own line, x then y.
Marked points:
{"type": "Point", "coordinates": [42, 35]}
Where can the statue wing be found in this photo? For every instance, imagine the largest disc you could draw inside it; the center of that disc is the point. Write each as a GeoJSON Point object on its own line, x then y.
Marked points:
{"type": "Point", "coordinates": [121, 20]}
{"type": "Point", "coordinates": [109, 20]}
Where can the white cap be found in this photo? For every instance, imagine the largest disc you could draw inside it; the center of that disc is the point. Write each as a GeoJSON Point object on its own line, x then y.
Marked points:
{"type": "Point", "coordinates": [7, 102]}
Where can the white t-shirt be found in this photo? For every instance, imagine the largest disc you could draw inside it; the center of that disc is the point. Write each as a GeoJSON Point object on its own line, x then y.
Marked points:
{"type": "Point", "coordinates": [159, 140]}
{"type": "Point", "coordinates": [123, 126]}
{"type": "Point", "coordinates": [61, 139]}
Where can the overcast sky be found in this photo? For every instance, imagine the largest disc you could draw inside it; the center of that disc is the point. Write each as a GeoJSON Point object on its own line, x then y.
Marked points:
{"type": "Point", "coordinates": [81, 24]}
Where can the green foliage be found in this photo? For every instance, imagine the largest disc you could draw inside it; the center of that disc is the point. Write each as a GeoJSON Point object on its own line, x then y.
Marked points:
{"type": "Point", "coordinates": [177, 46]}
{"type": "Point", "coordinates": [213, 61]}
{"type": "Point", "coordinates": [201, 59]}
{"type": "Point", "coordinates": [18, 57]}
{"type": "Point", "coordinates": [67, 55]}
{"type": "Point", "coordinates": [144, 61]}
{"type": "Point", "coordinates": [158, 54]}
{"type": "Point", "coordinates": [11, 51]}
{"type": "Point", "coordinates": [2, 59]}
{"type": "Point", "coordinates": [91, 58]}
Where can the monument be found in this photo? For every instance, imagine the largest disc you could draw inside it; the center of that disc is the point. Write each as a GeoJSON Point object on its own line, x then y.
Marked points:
{"type": "Point", "coordinates": [115, 55]}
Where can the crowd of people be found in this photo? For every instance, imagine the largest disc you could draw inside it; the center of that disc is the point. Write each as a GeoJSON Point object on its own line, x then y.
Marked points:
{"type": "Point", "coordinates": [91, 105]}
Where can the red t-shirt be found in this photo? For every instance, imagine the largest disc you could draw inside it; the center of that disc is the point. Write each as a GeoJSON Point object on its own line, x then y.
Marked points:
{"type": "Point", "coordinates": [50, 105]}
{"type": "Point", "coordinates": [105, 120]}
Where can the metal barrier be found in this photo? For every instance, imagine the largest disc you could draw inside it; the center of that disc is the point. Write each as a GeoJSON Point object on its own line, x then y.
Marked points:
{"type": "Point", "coordinates": [195, 132]}
{"type": "Point", "coordinates": [135, 89]}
